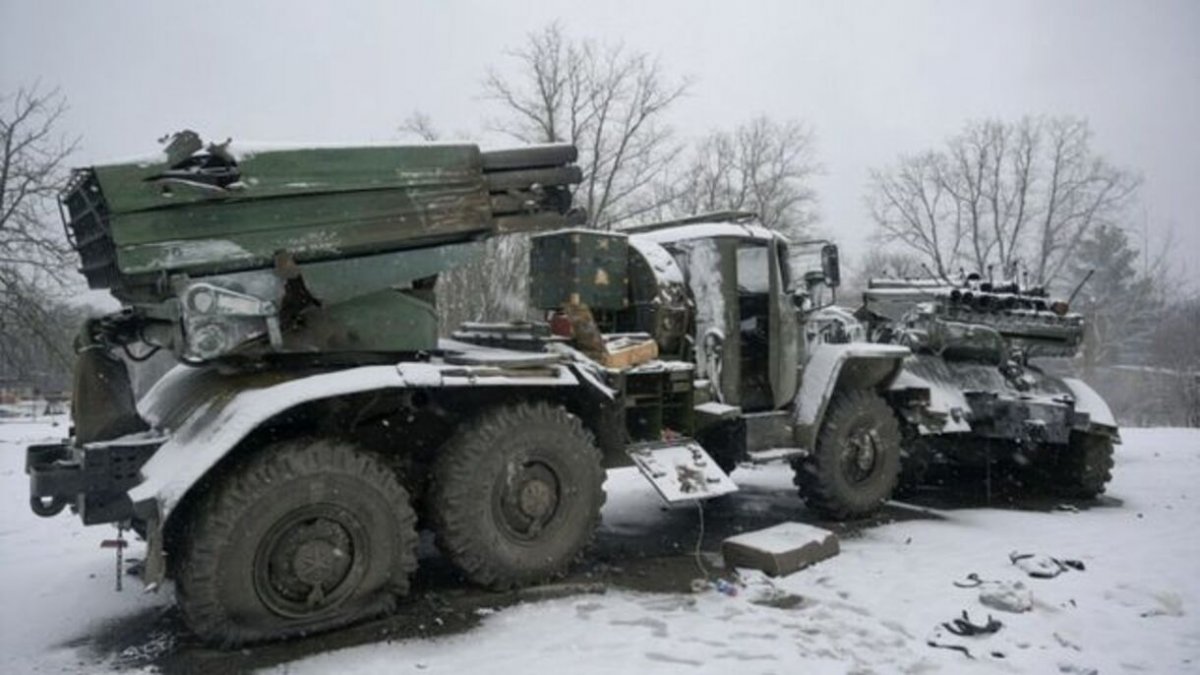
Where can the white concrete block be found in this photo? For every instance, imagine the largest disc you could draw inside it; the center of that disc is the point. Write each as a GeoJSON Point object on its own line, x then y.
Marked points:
{"type": "Point", "coordinates": [780, 549]}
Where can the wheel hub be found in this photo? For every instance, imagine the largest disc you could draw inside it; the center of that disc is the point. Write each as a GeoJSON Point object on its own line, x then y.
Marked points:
{"type": "Point", "coordinates": [537, 498]}
{"type": "Point", "coordinates": [314, 562]}
{"type": "Point", "coordinates": [861, 455]}
{"type": "Point", "coordinates": [529, 500]}
{"type": "Point", "coordinates": [305, 564]}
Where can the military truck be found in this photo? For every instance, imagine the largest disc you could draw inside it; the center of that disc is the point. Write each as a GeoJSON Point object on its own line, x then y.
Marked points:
{"type": "Point", "coordinates": [978, 350]}
{"type": "Point", "coordinates": [280, 473]}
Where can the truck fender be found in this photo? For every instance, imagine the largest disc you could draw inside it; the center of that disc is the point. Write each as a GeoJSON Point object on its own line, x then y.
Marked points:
{"type": "Point", "coordinates": [1090, 402]}
{"type": "Point", "coordinates": [944, 408]}
{"type": "Point", "coordinates": [205, 416]}
{"type": "Point", "coordinates": [830, 367]}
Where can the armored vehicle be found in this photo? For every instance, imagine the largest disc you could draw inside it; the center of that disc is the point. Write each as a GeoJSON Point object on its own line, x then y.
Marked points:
{"type": "Point", "coordinates": [976, 351]}
{"type": "Point", "coordinates": [279, 473]}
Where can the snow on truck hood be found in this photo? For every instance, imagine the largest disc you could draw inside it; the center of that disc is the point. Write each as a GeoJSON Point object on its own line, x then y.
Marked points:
{"type": "Point", "coordinates": [705, 230]}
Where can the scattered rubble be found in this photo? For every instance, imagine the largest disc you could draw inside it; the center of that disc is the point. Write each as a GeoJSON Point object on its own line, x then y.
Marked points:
{"type": "Point", "coordinates": [781, 549]}
{"type": "Point", "coordinates": [1006, 596]}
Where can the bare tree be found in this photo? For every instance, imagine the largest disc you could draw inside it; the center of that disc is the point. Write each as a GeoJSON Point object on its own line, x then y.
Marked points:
{"type": "Point", "coordinates": [1002, 195]}
{"type": "Point", "coordinates": [1082, 191]}
{"type": "Point", "coordinates": [35, 335]}
{"type": "Point", "coordinates": [607, 101]}
{"type": "Point", "coordinates": [31, 174]}
{"type": "Point", "coordinates": [878, 263]}
{"type": "Point", "coordinates": [492, 287]}
{"type": "Point", "coordinates": [762, 166]}
{"type": "Point", "coordinates": [1176, 352]}
{"type": "Point", "coordinates": [34, 257]}
{"type": "Point", "coordinates": [910, 205]}
{"type": "Point", "coordinates": [419, 124]}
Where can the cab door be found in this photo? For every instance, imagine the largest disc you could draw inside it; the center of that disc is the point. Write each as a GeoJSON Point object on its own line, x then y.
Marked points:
{"type": "Point", "coordinates": [712, 271]}
{"type": "Point", "coordinates": [786, 346]}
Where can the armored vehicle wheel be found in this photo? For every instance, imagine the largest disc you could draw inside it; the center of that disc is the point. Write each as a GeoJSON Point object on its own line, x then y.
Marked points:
{"type": "Point", "coordinates": [516, 494]}
{"type": "Point", "coordinates": [307, 535]}
{"type": "Point", "coordinates": [854, 467]}
{"type": "Point", "coordinates": [1085, 466]}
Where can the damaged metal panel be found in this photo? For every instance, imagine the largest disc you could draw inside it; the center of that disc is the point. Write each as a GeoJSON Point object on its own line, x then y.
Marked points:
{"type": "Point", "coordinates": [711, 271]}
{"type": "Point", "coordinates": [219, 210]}
{"type": "Point", "coordinates": [221, 253]}
{"type": "Point", "coordinates": [681, 472]}
{"type": "Point", "coordinates": [575, 267]}
{"type": "Point", "coordinates": [990, 402]}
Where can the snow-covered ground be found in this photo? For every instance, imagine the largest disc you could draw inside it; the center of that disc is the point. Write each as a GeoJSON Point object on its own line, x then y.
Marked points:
{"type": "Point", "coordinates": [1134, 606]}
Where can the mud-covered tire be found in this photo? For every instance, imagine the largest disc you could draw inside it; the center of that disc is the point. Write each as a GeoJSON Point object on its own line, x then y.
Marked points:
{"type": "Point", "coordinates": [516, 495]}
{"type": "Point", "coordinates": [1084, 467]}
{"type": "Point", "coordinates": [298, 515]}
{"type": "Point", "coordinates": [854, 467]}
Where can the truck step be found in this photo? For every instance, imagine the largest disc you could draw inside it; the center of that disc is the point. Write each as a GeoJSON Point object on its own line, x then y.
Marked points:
{"type": "Point", "coordinates": [680, 471]}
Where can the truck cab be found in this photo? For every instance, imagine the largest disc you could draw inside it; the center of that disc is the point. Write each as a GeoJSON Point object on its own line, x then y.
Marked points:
{"type": "Point", "coordinates": [748, 307]}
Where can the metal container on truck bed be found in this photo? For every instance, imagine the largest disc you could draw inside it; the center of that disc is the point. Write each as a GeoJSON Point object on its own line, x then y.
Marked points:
{"type": "Point", "coordinates": [580, 267]}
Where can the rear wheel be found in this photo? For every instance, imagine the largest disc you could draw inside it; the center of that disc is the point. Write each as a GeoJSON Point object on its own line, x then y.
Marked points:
{"type": "Point", "coordinates": [307, 535]}
{"type": "Point", "coordinates": [854, 467]}
{"type": "Point", "coordinates": [517, 494]}
{"type": "Point", "coordinates": [1084, 468]}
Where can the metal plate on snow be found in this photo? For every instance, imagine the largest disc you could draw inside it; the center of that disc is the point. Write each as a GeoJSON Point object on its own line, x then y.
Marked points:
{"type": "Point", "coordinates": [681, 472]}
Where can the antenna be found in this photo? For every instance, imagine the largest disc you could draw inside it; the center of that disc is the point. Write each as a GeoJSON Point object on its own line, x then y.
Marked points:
{"type": "Point", "coordinates": [1080, 286]}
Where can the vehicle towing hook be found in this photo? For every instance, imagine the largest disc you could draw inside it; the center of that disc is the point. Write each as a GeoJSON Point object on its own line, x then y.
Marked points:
{"type": "Point", "coordinates": [47, 506]}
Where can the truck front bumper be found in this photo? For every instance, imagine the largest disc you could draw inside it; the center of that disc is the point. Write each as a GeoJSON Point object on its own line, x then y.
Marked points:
{"type": "Point", "coordinates": [92, 480]}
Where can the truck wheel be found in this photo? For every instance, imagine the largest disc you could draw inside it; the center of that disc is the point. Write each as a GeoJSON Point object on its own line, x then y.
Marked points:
{"type": "Point", "coordinates": [307, 535]}
{"type": "Point", "coordinates": [516, 494]}
{"type": "Point", "coordinates": [1085, 466]}
{"type": "Point", "coordinates": [854, 467]}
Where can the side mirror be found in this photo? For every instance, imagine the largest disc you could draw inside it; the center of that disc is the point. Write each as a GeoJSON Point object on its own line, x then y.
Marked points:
{"type": "Point", "coordinates": [829, 265]}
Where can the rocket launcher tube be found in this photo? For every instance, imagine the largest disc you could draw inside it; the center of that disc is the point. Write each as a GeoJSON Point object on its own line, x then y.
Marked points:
{"type": "Point", "coordinates": [132, 222]}
{"type": "Point", "coordinates": [193, 244]}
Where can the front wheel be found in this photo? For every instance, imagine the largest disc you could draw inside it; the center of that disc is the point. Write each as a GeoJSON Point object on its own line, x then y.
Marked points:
{"type": "Point", "coordinates": [306, 535]}
{"type": "Point", "coordinates": [854, 467]}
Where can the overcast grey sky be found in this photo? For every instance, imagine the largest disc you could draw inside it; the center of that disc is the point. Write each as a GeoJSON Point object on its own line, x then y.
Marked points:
{"type": "Point", "coordinates": [874, 79]}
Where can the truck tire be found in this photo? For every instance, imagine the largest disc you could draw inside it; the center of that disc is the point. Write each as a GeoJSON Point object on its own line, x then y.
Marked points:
{"type": "Point", "coordinates": [854, 467]}
{"type": "Point", "coordinates": [307, 535]}
{"type": "Point", "coordinates": [1084, 468]}
{"type": "Point", "coordinates": [516, 494]}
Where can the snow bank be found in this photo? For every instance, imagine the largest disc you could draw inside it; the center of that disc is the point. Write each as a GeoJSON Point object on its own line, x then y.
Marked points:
{"type": "Point", "coordinates": [874, 608]}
